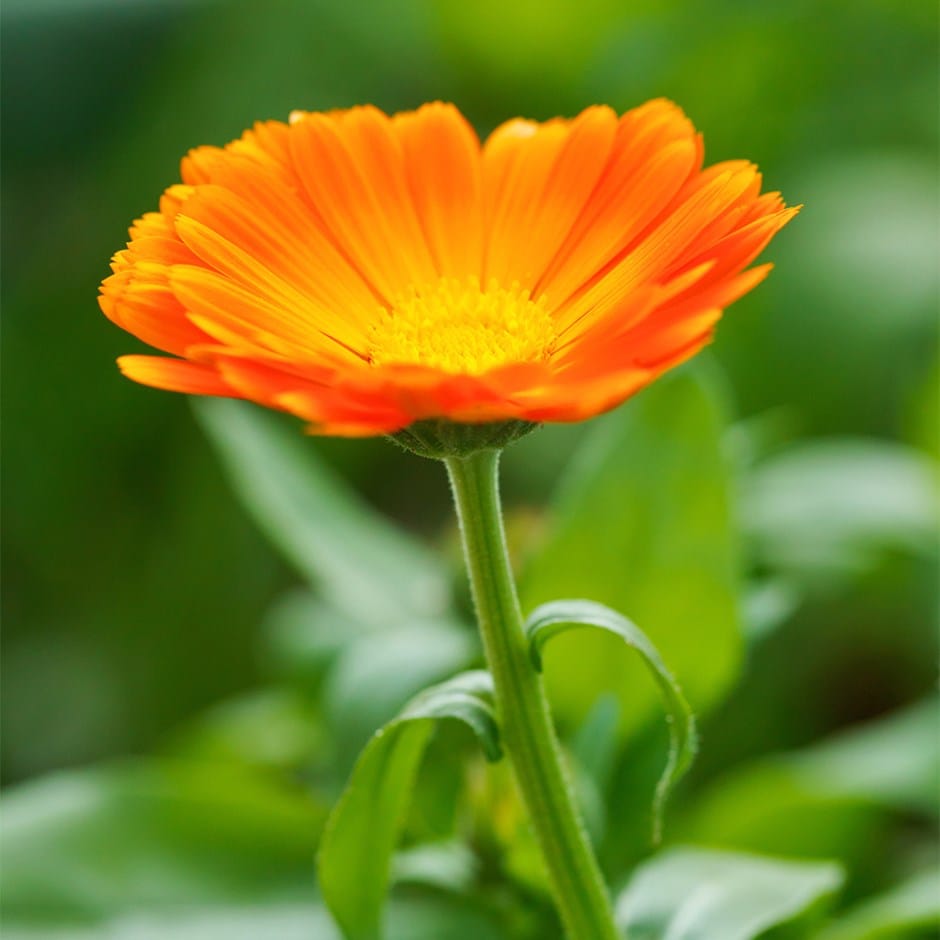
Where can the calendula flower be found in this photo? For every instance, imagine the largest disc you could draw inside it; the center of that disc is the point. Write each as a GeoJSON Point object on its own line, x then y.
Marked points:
{"type": "Point", "coordinates": [367, 272]}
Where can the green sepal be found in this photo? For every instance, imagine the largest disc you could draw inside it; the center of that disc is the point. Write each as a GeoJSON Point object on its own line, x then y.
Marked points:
{"type": "Point", "coordinates": [548, 620]}
{"type": "Point", "coordinates": [354, 860]}
{"type": "Point", "coordinates": [439, 438]}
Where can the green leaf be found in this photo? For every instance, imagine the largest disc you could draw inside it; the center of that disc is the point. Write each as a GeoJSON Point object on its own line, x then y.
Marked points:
{"type": "Point", "coordinates": [908, 908]}
{"type": "Point", "coordinates": [642, 522]}
{"type": "Point", "coordinates": [922, 416]}
{"type": "Point", "coordinates": [274, 727]}
{"type": "Point", "coordinates": [424, 918]}
{"type": "Point", "coordinates": [696, 894]}
{"type": "Point", "coordinates": [439, 918]}
{"type": "Point", "coordinates": [302, 636]}
{"type": "Point", "coordinates": [450, 866]}
{"type": "Point", "coordinates": [361, 563]}
{"type": "Point", "coordinates": [767, 605]}
{"type": "Point", "coordinates": [557, 617]}
{"type": "Point", "coordinates": [90, 846]}
{"type": "Point", "coordinates": [808, 802]}
{"type": "Point", "coordinates": [362, 831]}
{"type": "Point", "coordinates": [275, 920]}
{"type": "Point", "coordinates": [375, 676]}
{"type": "Point", "coordinates": [894, 761]}
{"type": "Point", "coordinates": [831, 508]}
{"type": "Point", "coordinates": [156, 849]}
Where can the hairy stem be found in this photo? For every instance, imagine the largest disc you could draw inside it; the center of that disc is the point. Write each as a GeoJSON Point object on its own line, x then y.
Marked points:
{"type": "Point", "coordinates": [527, 731]}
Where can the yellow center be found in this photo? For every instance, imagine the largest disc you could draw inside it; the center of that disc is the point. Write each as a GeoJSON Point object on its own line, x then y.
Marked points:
{"type": "Point", "coordinates": [460, 328]}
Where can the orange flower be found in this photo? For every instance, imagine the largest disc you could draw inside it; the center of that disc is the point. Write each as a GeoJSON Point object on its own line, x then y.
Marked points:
{"type": "Point", "coordinates": [366, 272]}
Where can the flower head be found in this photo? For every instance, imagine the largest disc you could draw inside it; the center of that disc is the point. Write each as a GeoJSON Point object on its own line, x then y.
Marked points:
{"type": "Point", "coordinates": [367, 273]}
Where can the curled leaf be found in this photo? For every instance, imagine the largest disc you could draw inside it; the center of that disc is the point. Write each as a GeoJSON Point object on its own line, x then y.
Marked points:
{"type": "Point", "coordinates": [354, 861]}
{"type": "Point", "coordinates": [556, 617]}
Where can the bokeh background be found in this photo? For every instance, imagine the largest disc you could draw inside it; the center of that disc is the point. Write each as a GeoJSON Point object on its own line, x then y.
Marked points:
{"type": "Point", "coordinates": [135, 582]}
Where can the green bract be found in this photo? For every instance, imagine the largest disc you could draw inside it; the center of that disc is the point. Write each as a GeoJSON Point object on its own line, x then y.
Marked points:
{"type": "Point", "coordinates": [440, 439]}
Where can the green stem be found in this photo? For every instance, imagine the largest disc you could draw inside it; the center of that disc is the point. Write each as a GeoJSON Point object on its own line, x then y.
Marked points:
{"type": "Point", "coordinates": [525, 722]}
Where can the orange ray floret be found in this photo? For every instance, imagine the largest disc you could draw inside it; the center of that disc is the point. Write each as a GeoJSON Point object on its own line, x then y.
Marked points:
{"type": "Point", "coordinates": [365, 272]}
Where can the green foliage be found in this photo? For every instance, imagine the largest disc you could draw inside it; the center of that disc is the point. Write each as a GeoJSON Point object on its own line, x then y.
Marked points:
{"type": "Point", "coordinates": [373, 676]}
{"type": "Point", "coordinates": [83, 848]}
{"type": "Point", "coordinates": [134, 584]}
{"type": "Point", "coordinates": [362, 831]}
{"type": "Point", "coordinates": [829, 508]}
{"type": "Point", "coordinates": [812, 801]}
{"type": "Point", "coordinates": [556, 617]}
{"type": "Point", "coordinates": [274, 727]}
{"type": "Point", "coordinates": [344, 679]}
{"type": "Point", "coordinates": [642, 523]}
{"type": "Point", "coordinates": [908, 909]}
{"type": "Point", "coordinates": [695, 894]}
{"type": "Point", "coordinates": [364, 566]}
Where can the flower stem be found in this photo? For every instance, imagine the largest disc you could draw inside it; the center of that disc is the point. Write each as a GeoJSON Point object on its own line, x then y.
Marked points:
{"type": "Point", "coordinates": [528, 734]}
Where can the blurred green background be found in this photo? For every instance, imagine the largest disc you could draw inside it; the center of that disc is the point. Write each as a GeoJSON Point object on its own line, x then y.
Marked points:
{"type": "Point", "coordinates": [135, 583]}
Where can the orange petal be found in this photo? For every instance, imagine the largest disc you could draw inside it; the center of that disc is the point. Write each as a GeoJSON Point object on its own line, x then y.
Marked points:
{"type": "Point", "coordinates": [282, 237]}
{"type": "Point", "coordinates": [260, 320]}
{"type": "Point", "coordinates": [575, 401]}
{"type": "Point", "coordinates": [269, 266]}
{"type": "Point", "coordinates": [327, 405]}
{"type": "Point", "coordinates": [651, 258]}
{"type": "Point", "coordinates": [353, 168]}
{"type": "Point", "coordinates": [442, 165]}
{"type": "Point", "coordinates": [537, 180]}
{"type": "Point", "coordinates": [175, 375]}
{"type": "Point", "coordinates": [308, 321]}
{"type": "Point", "coordinates": [654, 153]}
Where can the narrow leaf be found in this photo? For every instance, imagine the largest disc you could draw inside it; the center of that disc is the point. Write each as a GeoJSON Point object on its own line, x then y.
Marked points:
{"type": "Point", "coordinates": [359, 561]}
{"type": "Point", "coordinates": [695, 894]}
{"type": "Point", "coordinates": [556, 617]}
{"type": "Point", "coordinates": [355, 854]}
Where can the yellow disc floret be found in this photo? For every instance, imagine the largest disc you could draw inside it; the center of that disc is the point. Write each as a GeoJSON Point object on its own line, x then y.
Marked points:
{"type": "Point", "coordinates": [461, 328]}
